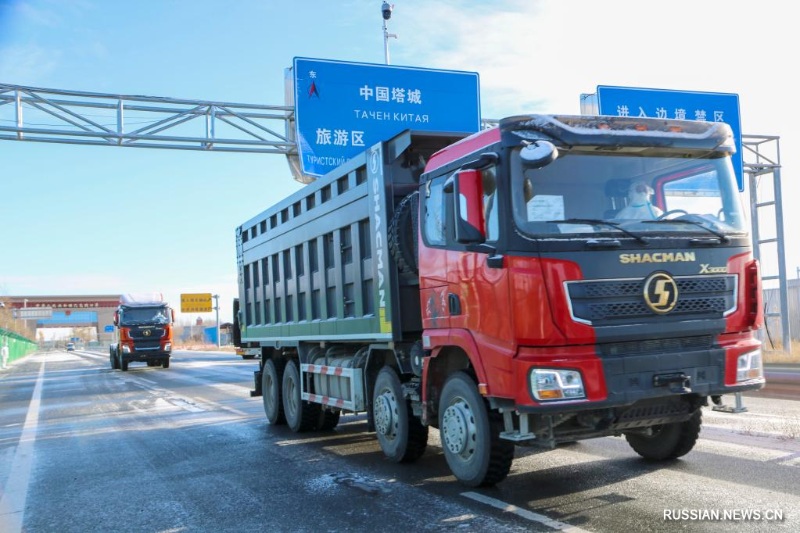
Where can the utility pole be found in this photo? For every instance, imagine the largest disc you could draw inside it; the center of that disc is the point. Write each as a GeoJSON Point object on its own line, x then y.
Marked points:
{"type": "Point", "coordinates": [386, 11]}
{"type": "Point", "coordinates": [216, 308]}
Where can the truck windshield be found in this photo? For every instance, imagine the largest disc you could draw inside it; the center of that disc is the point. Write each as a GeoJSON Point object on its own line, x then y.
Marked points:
{"type": "Point", "coordinates": [144, 315]}
{"type": "Point", "coordinates": [615, 193]}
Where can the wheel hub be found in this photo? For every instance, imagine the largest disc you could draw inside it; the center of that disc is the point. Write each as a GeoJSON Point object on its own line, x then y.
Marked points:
{"type": "Point", "coordinates": [268, 391]}
{"type": "Point", "coordinates": [457, 429]}
{"type": "Point", "coordinates": [291, 406]}
{"type": "Point", "coordinates": [383, 414]}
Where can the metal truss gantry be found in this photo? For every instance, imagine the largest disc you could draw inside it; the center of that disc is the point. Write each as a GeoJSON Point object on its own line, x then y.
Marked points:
{"type": "Point", "coordinates": [73, 117]}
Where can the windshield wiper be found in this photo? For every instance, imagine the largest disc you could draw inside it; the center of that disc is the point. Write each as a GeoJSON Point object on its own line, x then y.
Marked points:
{"type": "Point", "coordinates": [599, 222]}
{"type": "Point", "coordinates": [723, 239]}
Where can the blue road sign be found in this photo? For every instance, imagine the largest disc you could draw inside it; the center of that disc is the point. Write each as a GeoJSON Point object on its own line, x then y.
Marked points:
{"type": "Point", "coordinates": [669, 104]}
{"type": "Point", "coordinates": [109, 329]}
{"type": "Point", "coordinates": [342, 108]}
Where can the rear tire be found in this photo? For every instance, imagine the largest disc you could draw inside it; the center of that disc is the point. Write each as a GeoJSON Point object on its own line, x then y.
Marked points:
{"type": "Point", "coordinates": [401, 435]}
{"type": "Point", "coordinates": [300, 415]}
{"type": "Point", "coordinates": [328, 420]}
{"type": "Point", "coordinates": [668, 441]}
{"type": "Point", "coordinates": [470, 433]}
{"type": "Point", "coordinates": [271, 392]}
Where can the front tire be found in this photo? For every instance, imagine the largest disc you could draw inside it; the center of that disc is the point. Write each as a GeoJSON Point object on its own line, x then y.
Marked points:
{"type": "Point", "coordinates": [470, 434]}
{"type": "Point", "coordinates": [401, 435]}
{"type": "Point", "coordinates": [165, 363]}
{"type": "Point", "coordinates": [271, 393]}
{"type": "Point", "coordinates": [668, 441]}
{"type": "Point", "coordinates": [300, 415]}
{"type": "Point", "coordinates": [123, 364]}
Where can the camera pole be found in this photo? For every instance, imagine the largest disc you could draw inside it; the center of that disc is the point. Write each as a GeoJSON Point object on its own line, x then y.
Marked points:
{"type": "Point", "coordinates": [386, 11]}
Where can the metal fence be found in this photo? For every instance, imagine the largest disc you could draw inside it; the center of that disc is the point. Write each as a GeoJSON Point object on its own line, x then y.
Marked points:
{"type": "Point", "coordinates": [773, 331]}
{"type": "Point", "coordinates": [18, 346]}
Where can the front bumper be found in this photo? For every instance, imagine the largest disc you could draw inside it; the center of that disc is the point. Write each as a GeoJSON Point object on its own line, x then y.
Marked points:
{"type": "Point", "coordinates": [697, 367]}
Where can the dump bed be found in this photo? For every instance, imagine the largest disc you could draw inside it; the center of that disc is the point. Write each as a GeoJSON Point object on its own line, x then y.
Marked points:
{"type": "Point", "coordinates": [320, 265]}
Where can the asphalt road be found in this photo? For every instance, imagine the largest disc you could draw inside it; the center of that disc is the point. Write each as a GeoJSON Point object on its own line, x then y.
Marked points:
{"type": "Point", "coordinates": [87, 448]}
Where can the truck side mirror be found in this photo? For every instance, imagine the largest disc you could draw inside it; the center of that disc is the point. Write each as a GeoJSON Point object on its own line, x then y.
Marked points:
{"type": "Point", "coordinates": [116, 318]}
{"type": "Point", "coordinates": [467, 189]}
{"type": "Point", "coordinates": [172, 315]}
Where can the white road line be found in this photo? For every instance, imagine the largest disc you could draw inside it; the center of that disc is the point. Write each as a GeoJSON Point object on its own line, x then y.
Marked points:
{"type": "Point", "coordinates": [523, 513]}
{"type": "Point", "coordinates": [15, 493]}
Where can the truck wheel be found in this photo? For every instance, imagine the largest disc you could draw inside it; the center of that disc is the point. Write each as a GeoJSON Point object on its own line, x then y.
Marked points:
{"type": "Point", "coordinates": [668, 441]}
{"type": "Point", "coordinates": [300, 415]}
{"type": "Point", "coordinates": [165, 363]}
{"type": "Point", "coordinates": [114, 364]}
{"type": "Point", "coordinates": [401, 435]}
{"type": "Point", "coordinates": [403, 232]}
{"type": "Point", "coordinates": [328, 420]}
{"type": "Point", "coordinates": [470, 434]}
{"type": "Point", "coordinates": [271, 393]}
{"type": "Point", "coordinates": [123, 365]}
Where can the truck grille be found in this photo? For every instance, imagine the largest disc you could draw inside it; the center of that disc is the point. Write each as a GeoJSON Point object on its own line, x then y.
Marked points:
{"type": "Point", "coordinates": [141, 345]}
{"type": "Point", "coordinates": [595, 302]}
{"type": "Point", "coordinates": [143, 342]}
{"type": "Point", "coordinates": [657, 346]}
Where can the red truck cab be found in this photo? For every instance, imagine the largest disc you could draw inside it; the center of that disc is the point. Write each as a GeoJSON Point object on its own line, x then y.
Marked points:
{"type": "Point", "coordinates": [145, 332]}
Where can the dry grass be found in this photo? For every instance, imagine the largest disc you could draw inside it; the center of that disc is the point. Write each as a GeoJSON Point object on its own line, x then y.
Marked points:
{"type": "Point", "coordinates": [200, 347]}
{"type": "Point", "coordinates": [775, 354]}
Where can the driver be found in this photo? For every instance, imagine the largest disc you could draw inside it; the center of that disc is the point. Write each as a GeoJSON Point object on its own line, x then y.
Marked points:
{"type": "Point", "coordinates": [639, 205]}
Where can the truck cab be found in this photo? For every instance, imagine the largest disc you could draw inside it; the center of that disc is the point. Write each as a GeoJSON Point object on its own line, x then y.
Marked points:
{"type": "Point", "coordinates": [145, 332]}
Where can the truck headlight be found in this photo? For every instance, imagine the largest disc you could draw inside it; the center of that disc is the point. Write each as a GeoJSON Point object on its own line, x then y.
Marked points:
{"type": "Point", "coordinates": [556, 384]}
{"type": "Point", "coordinates": [126, 348]}
{"type": "Point", "coordinates": [167, 346]}
{"type": "Point", "coordinates": [748, 366]}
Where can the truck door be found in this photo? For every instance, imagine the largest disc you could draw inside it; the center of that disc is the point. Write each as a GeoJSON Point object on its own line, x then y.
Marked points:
{"type": "Point", "coordinates": [477, 282]}
{"type": "Point", "coordinates": [433, 254]}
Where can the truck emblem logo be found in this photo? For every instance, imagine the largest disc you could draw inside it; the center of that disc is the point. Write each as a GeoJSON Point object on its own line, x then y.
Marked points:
{"type": "Point", "coordinates": [708, 269]}
{"type": "Point", "coordinates": [146, 333]}
{"type": "Point", "coordinates": [657, 257]}
{"type": "Point", "coordinates": [373, 161]}
{"type": "Point", "coordinates": [660, 293]}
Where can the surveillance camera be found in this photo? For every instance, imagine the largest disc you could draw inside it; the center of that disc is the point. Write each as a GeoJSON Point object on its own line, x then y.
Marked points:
{"type": "Point", "coordinates": [386, 9]}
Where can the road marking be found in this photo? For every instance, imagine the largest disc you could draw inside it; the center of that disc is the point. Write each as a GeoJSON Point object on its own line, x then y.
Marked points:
{"type": "Point", "coordinates": [523, 513]}
{"type": "Point", "coordinates": [12, 506]}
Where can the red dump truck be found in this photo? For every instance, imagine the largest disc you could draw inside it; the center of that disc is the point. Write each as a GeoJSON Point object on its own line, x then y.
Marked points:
{"type": "Point", "coordinates": [552, 279]}
{"type": "Point", "coordinates": [144, 326]}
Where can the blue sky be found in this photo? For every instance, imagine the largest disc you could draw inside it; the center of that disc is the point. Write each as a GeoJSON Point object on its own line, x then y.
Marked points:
{"type": "Point", "coordinates": [106, 220]}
